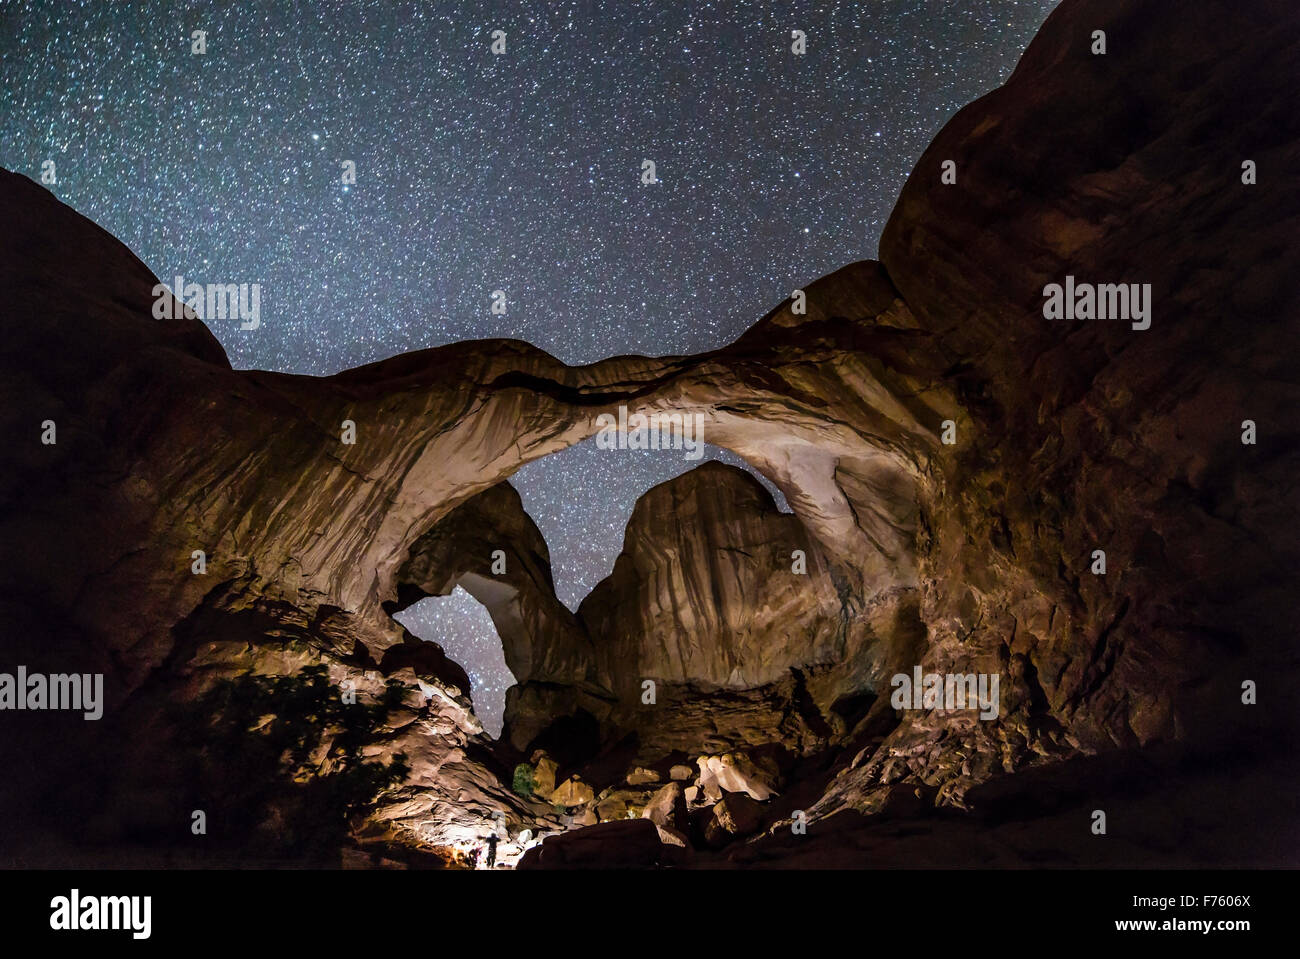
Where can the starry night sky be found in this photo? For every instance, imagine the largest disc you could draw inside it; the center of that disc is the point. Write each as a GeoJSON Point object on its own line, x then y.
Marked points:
{"type": "Point", "coordinates": [476, 172]}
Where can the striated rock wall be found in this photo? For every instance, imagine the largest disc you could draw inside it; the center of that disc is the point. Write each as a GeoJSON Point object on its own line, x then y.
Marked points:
{"type": "Point", "coordinates": [1117, 168]}
{"type": "Point", "coordinates": [705, 589]}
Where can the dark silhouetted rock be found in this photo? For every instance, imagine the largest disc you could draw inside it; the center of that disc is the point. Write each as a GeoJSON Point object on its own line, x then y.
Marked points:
{"type": "Point", "coordinates": [623, 844]}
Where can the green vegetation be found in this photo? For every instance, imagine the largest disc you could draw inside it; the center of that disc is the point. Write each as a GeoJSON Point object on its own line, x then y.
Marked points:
{"type": "Point", "coordinates": [523, 782]}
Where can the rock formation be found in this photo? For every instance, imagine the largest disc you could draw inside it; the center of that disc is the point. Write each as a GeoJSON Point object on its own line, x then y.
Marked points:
{"type": "Point", "coordinates": [953, 459]}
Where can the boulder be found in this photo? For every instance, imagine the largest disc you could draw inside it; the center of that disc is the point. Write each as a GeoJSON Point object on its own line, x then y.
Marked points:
{"type": "Point", "coordinates": [667, 808]}
{"type": "Point", "coordinates": [622, 804]}
{"type": "Point", "coordinates": [734, 816]}
{"type": "Point", "coordinates": [673, 837]}
{"type": "Point", "coordinates": [544, 769]}
{"type": "Point", "coordinates": [624, 844]}
{"type": "Point", "coordinates": [572, 792]}
{"type": "Point", "coordinates": [736, 772]}
{"type": "Point", "coordinates": [639, 776]}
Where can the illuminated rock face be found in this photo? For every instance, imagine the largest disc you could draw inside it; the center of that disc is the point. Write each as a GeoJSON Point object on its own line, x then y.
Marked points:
{"type": "Point", "coordinates": [954, 460]}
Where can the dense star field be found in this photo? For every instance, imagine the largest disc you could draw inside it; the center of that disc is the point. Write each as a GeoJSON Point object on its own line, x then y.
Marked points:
{"type": "Point", "coordinates": [475, 172]}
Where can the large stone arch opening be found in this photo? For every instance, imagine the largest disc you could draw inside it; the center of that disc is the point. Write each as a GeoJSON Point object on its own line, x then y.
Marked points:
{"type": "Point", "coordinates": [718, 594]}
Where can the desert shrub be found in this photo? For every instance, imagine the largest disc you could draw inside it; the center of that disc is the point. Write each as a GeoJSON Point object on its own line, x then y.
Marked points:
{"type": "Point", "coordinates": [523, 781]}
{"type": "Point", "coordinates": [276, 762]}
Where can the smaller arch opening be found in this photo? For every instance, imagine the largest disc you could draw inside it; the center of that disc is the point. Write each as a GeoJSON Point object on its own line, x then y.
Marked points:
{"type": "Point", "coordinates": [460, 624]}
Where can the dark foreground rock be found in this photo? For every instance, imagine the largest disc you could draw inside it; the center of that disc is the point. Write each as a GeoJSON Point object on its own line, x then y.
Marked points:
{"type": "Point", "coordinates": [626, 844]}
